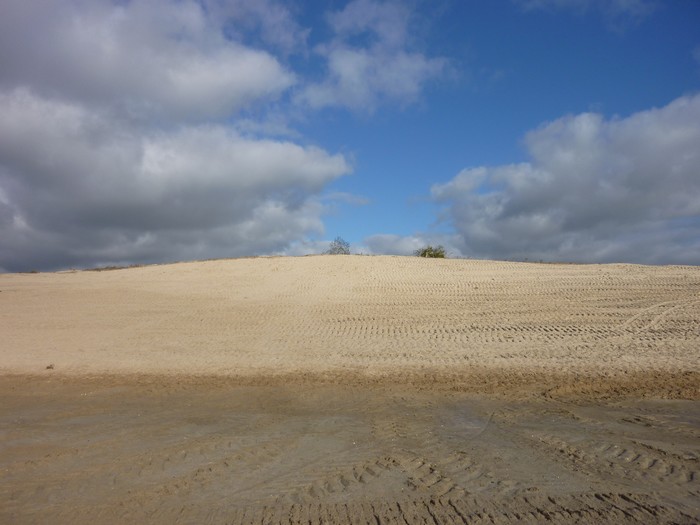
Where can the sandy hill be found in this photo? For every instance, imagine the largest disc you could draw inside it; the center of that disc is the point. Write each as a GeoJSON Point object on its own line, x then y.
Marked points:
{"type": "Point", "coordinates": [335, 318]}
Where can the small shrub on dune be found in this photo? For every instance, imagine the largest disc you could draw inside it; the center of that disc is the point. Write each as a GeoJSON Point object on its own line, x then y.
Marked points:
{"type": "Point", "coordinates": [437, 252]}
{"type": "Point", "coordinates": [339, 247]}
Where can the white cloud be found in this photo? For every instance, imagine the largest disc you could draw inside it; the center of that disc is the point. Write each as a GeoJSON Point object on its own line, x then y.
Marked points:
{"type": "Point", "coordinates": [147, 58]}
{"type": "Point", "coordinates": [390, 244]}
{"type": "Point", "coordinates": [382, 21]}
{"type": "Point", "coordinates": [369, 60]}
{"type": "Point", "coordinates": [78, 187]}
{"type": "Point", "coordinates": [270, 21]}
{"type": "Point", "coordinates": [624, 189]}
{"type": "Point", "coordinates": [306, 247]}
{"type": "Point", "coordinates": [129, 132]}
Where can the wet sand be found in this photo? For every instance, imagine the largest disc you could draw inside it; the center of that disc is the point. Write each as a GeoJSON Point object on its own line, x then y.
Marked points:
{"type": "Point", "coordinates": [148, 451]}
{"type": "Point", "coordinates": [351, 390]}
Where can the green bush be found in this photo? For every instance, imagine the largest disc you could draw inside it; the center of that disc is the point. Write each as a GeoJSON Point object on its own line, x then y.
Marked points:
{"type": "Point", "coordinates": [437, 252]}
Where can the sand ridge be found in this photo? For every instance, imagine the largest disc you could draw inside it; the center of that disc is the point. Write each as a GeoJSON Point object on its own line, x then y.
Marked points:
{"type": "Point", "coordinates": [345, 318]}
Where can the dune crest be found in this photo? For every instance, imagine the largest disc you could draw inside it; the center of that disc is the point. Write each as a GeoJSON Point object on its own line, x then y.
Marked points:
{"type": "Point", "coordinates": [357, 318]}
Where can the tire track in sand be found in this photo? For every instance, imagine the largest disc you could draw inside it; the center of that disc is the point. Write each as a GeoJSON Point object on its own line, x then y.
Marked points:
{"type": "Point", "coordinates": [586, 508]}
{"type": "Point", "coordinates": [626, 461]}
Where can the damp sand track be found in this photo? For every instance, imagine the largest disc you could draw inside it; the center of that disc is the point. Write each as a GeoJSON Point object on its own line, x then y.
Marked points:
{"type": "Point", "coordinates": [351, 390]}
{"type": "Point", "coordinates": [210, 451]}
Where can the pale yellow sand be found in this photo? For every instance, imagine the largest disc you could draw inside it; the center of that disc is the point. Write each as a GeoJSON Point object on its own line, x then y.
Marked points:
{"type": "Point", "coordinates": [357, 315]}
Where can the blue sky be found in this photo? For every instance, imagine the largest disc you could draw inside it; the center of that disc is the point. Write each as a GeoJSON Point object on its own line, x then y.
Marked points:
{"type": "Point", "coordinates": [152, 131]}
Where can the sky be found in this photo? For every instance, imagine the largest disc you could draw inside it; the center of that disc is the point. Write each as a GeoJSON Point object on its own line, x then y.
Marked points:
{"type": "Point", "coordinates": [147, 131]}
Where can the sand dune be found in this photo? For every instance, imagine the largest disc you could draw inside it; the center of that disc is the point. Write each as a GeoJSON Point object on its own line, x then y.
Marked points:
{"type": "Point", "coordinates": [347, 318]}
{"type": "Point", "coordinates": [349, 389]}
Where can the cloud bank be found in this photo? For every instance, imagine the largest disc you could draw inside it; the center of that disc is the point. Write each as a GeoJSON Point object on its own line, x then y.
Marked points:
{"type": "Point", "coordinates": [141, 131]}
{"type": "Point", "coordinates": [624, 189]}
{"type": "Point", "coordinates": [143, 59]}
{"type": "Point", "coordinates": [79, 188]}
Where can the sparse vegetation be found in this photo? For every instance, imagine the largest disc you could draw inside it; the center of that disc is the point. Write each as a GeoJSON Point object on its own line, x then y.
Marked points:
{"type": "Point", "coordinates": [437, 252]}
{"type": "Point", "coordinates": [339, 246]}
{"type": "Point", "coordinates": [110, 268]}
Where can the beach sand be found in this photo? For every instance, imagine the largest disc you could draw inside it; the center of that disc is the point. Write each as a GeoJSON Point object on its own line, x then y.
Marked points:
{"type": "Point", "coordinates": [351, 389]}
